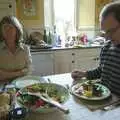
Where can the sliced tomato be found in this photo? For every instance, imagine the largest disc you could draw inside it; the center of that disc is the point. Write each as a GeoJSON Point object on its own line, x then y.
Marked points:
{"type": "Point", "coordinates": [18, 94]}
{"type": "Point", "coordinates": [39, 103]}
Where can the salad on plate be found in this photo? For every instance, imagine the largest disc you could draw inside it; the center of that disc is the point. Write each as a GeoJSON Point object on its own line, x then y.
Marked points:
{"type": "Point", "coordinates": [90, 90]}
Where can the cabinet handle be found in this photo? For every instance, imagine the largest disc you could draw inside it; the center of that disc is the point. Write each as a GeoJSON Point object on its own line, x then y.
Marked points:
{"type": "Point", "coordinates": [97, 58]}
{"type": "Point", "coordinates": [73, 53]}
{"type": "Point", "coordinates": [10, 6]}
{"type": "Point", "coordinates": [73, 61]}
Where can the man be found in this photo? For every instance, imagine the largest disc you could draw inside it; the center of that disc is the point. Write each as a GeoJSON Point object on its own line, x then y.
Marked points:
{"type": "Point", "coordinates": [109, 67]}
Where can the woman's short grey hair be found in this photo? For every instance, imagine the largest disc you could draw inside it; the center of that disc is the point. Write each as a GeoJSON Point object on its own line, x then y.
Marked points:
{"type": "Point", "coordinates": [15, 22]}
{"type": "Point", "coordinates": [111, 8]}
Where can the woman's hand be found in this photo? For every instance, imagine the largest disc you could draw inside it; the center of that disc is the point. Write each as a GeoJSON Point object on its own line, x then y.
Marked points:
{"type": "Point", "coordinates": [77, 74]}
{"type": "Point", "coordinates": [7, 75]}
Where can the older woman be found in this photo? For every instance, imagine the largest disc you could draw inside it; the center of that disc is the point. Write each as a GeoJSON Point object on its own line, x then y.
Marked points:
{"type": "Point", "coordinates": [15, 57]}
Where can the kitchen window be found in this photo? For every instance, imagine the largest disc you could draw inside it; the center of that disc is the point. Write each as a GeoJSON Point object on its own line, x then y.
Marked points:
{"type": "Point", "coordinates": [62, 14]}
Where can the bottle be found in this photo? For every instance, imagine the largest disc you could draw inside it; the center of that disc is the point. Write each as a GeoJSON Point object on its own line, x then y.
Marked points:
{"type": "Point", "coordinates": [49, 41]}
{"type": "Point", "coordinates": [84, 39]}
{"type": "Point", "coordinates": [45, 36]}
{"type": "Point", "coordinates": [55, 42]}
{"type": "Point", "coordinates": [59, 40]}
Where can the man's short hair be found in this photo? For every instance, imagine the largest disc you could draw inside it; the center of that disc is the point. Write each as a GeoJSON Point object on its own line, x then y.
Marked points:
{"type": "Point", "coordinates": [111, 8]}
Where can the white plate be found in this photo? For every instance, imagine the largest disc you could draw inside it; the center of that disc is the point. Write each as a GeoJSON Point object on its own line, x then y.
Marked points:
{"type": "Point", "coordinates": [22, 82]}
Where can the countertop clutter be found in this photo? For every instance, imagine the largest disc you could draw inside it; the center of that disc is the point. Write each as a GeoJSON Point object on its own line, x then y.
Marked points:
{"type": "Point", "coordinates": [39, 41]}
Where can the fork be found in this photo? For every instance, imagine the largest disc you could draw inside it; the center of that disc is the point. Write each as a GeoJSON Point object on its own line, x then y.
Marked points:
{"type": "Point", "coordinates": [49, 100]}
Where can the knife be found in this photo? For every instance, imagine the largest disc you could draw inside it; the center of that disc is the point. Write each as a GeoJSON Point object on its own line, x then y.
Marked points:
{"type": "Point", "coordinates": [112, 106]}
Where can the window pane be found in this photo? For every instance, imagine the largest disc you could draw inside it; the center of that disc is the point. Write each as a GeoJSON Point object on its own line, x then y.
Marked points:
{"type": "Point", "coordinates": [64, 16]}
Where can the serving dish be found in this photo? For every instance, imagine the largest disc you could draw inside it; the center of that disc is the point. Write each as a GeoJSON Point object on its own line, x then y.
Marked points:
{"type": "Point", "coordinates": [33, 103]}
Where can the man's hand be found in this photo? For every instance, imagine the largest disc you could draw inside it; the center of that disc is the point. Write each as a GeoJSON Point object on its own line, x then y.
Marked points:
{"type": "Point", "coordinates": [77, 74]}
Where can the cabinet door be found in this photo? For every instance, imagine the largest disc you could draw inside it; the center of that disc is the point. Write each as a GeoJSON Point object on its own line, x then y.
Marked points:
{"type": "Point", "coordinates": [64, 61]}
{"type": "Point", "coordinates": [87, 58]}
{"type": "Point", "coordinates": [86, 63]}
{"type": "Point", "coordinates": [42, 63]}
{"type": "Point", "coordinates": [7, 7]}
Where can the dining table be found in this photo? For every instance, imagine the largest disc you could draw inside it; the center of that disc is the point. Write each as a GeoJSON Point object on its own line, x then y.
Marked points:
{"type": "Point", "coordinates": [78, 111]}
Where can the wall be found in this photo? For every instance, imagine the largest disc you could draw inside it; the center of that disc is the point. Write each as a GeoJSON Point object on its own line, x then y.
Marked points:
{"type": "Point", "coordinates": [86, 18]}
{"type": "Point", "coordinates": [89, 16]}
{"type": "Point", "coordinates": [86, 13]}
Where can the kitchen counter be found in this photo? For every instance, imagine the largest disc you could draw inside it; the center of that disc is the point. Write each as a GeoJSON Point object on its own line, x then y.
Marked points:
{"type": "Point", "coordinates": [78, 111]}
{"type": "Point", "coordinates": [64, 48]}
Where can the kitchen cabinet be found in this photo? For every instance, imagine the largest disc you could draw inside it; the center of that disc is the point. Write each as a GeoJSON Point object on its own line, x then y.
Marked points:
{"type": "Point", "coordinates": [86, 59]}
{"type": "Point", "coordinates": [42, 63]}
{"type": "Point", "coordinates": [7, 7]}
{"type": "Point", "coordinates": [64, 61]}
{"type": "Point", "coordinates": [68, 60]}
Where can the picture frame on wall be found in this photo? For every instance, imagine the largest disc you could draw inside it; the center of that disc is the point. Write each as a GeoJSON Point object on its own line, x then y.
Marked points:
{"type": "Point", "coordinates": [28, 9]}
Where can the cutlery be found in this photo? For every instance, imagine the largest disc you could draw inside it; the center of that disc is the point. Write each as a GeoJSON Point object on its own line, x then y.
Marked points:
{"type": "Point", "coordinates": [49, 100]}
{"type": "Point", "coordinates": [112, 106]}
{"type": "Point", "coordinates": [68, 88]}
